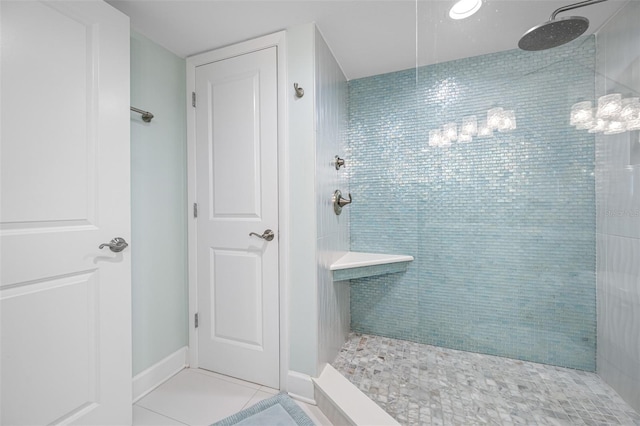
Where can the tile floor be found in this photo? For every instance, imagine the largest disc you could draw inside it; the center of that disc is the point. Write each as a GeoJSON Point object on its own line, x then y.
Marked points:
{"type": "Point", "coordinates": [199, 397]}
{"type": "Point", "coordinates": [429, 385]}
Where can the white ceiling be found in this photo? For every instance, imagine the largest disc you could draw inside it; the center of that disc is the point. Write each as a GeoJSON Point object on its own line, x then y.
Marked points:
{"type": "Point", "coordinates": [367, 37]}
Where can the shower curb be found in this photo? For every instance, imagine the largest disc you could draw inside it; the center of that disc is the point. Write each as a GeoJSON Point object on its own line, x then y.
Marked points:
{"type": "Point", "coordinates": [343, 403]}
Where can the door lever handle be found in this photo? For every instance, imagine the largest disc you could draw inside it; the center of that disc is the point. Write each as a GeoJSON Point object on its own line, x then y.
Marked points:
{"type": "Point", "coordinates": [266, 235]}
{"type": "Point", "coordinates": [116, 245]}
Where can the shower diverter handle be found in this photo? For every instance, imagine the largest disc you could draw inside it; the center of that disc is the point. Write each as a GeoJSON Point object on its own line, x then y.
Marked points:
{"type": "Point", "coordinates": [343, 201]}
{"type": "Point", "coordinates": [339, 202]}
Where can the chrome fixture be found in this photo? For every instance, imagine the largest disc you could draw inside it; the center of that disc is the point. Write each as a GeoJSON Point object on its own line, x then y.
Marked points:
{"type": "Point", "coordinates": [299, 90]}
{"type": "Point", "coordinates": [146, 115]}
{"type": "Point", "coordinates": [339, 162]}
{"type": "Point", "coordinates": [339, 202]}
{"type": "Point", "coordinates": [556, 32]}
{"type": "Point", "coordinates": [266, 235]}
{"type": "Point", "coordinates": [116, 245]}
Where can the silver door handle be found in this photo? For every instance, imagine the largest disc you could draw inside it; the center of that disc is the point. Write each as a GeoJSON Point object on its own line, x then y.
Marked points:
{"type": "Point", "coordinates": [266, 235]}
{"type": "Point", "coordinates": [116, 245]}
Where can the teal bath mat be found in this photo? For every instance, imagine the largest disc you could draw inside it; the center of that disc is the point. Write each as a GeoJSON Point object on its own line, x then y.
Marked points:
{"type": "Point", "coordinates": [279, 410]}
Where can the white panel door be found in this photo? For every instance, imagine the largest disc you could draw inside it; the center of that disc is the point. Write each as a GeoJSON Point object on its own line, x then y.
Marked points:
{"type": "Point", "coordinates": [237, 191]}
{"type": "Point", "coordinates": [65, 304]}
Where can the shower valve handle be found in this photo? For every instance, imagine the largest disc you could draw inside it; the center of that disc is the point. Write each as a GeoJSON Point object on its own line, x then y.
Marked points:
{"type": "Point", "coordinates": [343, 201]}
{"type": "Point", "coordinates": [339, 202]}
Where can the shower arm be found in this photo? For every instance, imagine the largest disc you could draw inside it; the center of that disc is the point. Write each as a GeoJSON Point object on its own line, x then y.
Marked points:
{"type": "Point", "coordinates": [574, 6]}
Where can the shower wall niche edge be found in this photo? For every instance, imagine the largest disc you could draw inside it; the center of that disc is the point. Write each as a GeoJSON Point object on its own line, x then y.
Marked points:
{"type": "Point", "coordinates": [332, 230]}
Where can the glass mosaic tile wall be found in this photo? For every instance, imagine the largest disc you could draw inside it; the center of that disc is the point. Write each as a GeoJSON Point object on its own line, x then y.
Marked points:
{"type": "Point", "coordinates": [502, 228]}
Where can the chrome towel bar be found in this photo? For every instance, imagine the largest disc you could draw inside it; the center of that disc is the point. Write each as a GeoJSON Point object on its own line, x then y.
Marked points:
{"type": "Point", "coordinates": [146, 115]}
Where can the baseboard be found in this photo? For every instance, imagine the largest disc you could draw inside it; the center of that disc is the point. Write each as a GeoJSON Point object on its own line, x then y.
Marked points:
{"type": "Point", "coordinates": [157, 374]}
{"type": "Point", "coordinates": [300, 386]}
{"type": "Point", "coordinates": [350, 405]}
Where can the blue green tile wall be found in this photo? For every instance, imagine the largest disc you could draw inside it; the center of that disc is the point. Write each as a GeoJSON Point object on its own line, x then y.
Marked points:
{"type": "Point", "coordinates": [502, 229]}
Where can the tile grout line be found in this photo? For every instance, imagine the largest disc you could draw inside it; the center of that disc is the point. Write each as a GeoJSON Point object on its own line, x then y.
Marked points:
{"type": "Point", "coordinates": [160, 414]}
{"type": "Point", "coordinates": [227, 379]}
{"type": "Point", "coordinates": [249, 400]}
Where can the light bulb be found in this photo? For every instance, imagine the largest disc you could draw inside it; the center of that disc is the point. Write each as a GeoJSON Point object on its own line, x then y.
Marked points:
{"type": "Point", "coordinates": [581, 113]}
{"type": "Point", "coordinates": [465, 137]}
{"type": "Point", "coordinates": [615, 127]}
{"type": "Point", "coordinates": [599, 126]}
{"type": "Point", "coordinates": [494, 117]}
{"type": "Point", "coordinates": [450, 130]}
{"type": "Point", "coordinates": [630, 109]}
{"type": "Point", "coordinates": [470, 125]}
{"type": "Point", "coordinates": [484, 131]}
{"type": "Point", "coordinates": [434, 137]}
{"type": "Point", "coordinates": [609, 106]}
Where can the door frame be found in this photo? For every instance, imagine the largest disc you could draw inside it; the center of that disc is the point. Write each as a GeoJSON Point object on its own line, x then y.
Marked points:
{"type": "Point", "coordinates": [279, 41]}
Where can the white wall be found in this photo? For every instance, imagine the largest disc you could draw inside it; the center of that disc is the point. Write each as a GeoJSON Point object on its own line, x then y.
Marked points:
{"type": "Point", "coordinates": [303, 306]}
{"type": "Point", "coordinates": [618, 204]}
{"type": "Point", "coordinates": [158, 204]}
{"type": "Point", "coordinates": [318, 308]}
{"type": "Point", "coordinates": [332, 230]}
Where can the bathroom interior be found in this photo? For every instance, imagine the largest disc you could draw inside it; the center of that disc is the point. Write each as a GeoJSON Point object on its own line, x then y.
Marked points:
{"type": "Point", "coordinates": [485, 270]}
{"type": "Point", "coordinates": [523, 239]}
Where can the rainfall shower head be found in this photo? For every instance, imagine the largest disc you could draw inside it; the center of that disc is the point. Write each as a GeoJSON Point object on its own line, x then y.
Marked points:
{"type": "Point", "coordinates": [556, 32]}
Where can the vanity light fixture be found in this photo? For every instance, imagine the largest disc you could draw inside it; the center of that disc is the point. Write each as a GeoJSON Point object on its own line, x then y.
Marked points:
{"type": "Point", "coordinates": [613, 114]}
{"type": "Point", "coordinates": [497, 119]}
{"type": "Point", "coordinates": [464, 8]}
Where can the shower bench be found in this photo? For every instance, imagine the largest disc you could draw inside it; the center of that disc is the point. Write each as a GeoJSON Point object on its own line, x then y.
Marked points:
{"type": "Point", "coordinates": [359, 265]}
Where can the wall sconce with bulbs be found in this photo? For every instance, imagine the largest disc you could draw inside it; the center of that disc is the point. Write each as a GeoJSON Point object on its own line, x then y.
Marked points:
{"type": "Point", "coordinates": [613, 115]}
{"type": "Point", "coordinates": [497, 119]}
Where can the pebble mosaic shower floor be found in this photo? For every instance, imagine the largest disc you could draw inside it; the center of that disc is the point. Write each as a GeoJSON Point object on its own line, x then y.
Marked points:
{"type": "Point", "coordinates": [420, 384]}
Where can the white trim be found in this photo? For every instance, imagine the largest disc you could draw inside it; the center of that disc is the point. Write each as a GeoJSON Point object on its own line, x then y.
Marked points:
{"type": "Point", "coordinates": [331, 411]}
{"type": "Point", "coordinates": [157, 374]}
{"type": "Point", "coordinates": [283, 205]}
{"type": "Point", "coordinates": [279, 41]}
{"type": "Point", "coordinates": [300, 386]}
{"type": "Point", "coordinates": [349, 401]}
{"type": "Point", "coordinates": [191, 223]}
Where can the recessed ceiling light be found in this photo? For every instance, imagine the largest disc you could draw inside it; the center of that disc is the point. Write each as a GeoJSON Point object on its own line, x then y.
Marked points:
{"type": "Point", "coordinates": [464, 8]}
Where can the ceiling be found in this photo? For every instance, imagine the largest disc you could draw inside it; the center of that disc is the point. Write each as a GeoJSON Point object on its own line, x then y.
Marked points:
{"type": "Point", "coordinates": [367, 37]}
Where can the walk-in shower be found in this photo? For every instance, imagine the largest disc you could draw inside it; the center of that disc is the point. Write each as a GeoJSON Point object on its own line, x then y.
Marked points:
{"type": "Point", "coordinates": [519, 268]}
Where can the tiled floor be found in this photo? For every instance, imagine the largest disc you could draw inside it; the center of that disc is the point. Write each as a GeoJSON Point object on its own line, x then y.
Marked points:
{"type": "Point", "coordinates": [430, 385]}
{"type": "Point", "coordinates": [199, 397]}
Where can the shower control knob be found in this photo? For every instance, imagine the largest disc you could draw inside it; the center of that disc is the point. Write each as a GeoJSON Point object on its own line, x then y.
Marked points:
{"type": "Point", "coordinates": [339, 202]}
{"type": "Point", "coordinates": [343, 201]}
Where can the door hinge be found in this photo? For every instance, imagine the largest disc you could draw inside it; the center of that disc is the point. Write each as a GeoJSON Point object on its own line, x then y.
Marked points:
{"type": "Point", "coordinates": [195, 209]}
{"type": "Point", "coordinates": [193, 99]}
{"type": "Point", "coordinates": [196, 320]}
